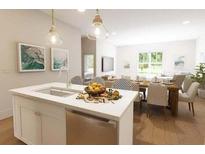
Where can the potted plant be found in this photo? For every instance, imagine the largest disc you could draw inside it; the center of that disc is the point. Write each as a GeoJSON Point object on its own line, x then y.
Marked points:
{"type": "Point", "coordinates": [199, 76]}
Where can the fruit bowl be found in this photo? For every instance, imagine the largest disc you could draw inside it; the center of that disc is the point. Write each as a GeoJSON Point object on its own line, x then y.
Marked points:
{"type": "Point", "coordinates": [95, 89]}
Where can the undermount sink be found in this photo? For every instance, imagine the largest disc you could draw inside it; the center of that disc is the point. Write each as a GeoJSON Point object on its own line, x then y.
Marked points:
{"type": "Point", "coordinates": [56, 91]}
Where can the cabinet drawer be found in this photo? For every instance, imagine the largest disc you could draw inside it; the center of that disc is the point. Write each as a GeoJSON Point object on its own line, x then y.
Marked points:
{"type": "Point", "coordinates": [42, 107]}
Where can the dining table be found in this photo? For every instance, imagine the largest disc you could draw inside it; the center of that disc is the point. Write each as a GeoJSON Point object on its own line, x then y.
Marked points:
{"type": "Point", "coordinates": [173, 92]}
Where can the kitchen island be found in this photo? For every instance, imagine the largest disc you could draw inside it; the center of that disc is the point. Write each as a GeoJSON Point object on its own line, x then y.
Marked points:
{"type": "Point", "coordinates": [51, 114]}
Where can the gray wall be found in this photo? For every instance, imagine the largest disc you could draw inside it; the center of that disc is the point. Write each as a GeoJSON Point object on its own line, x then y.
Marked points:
{"type": "Point", "coordinates": [31, 26]}
{"type": "Point", "coordinates": [88, 47]}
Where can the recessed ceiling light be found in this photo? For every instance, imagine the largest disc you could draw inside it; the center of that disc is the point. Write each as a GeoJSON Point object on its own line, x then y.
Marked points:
{"type": "Point", "coordinates": [81, 10]}
{"type": "Point", "coordinates": [114, 33]}
{"type": "Point", "coordinates": [186, 22]}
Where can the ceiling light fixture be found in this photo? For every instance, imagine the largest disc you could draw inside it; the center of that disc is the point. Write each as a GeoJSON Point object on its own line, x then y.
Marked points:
{"type": "Point", "coordinates": [81, 10]}
{"type": "Point", "coordinates": [107, 34]}
{"type": "Point", "coordinates": [53, 38]}
{"type": "Point", "coordinates": [114, 33]}
{"type": "Point", "coordinates": [97, 23]}
{"type": "Point", "coordinates": [186, 22]}
{"type": "Point", "coordinates": [100, 31]}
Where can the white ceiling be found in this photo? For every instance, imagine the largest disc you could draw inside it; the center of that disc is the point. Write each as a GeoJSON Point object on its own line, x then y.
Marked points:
{"type": "Point", "coordinates": [140, 26]}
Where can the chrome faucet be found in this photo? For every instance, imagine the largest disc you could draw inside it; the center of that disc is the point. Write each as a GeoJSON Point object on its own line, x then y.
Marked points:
{"type": "Point", "coordinates": [68, 82]}
{"type": "Point", "coordinates": [67, 69]}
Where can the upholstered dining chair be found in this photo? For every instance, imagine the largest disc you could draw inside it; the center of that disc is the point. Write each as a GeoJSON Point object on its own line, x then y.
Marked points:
{"type": "Point", "coordinates": [77, 80]}
{"type": "Point", "coordinates": [178, 80]}
{"type": "Point", "coordinates": [142, 89]}
{"type": "Point", "coordinates": [186, 84]}
{"type": "Point", "coordinates": [136, 87]}
{"type": "Point", "coordinates": [189, 96]}
{"type": "Point", "coordinates": [157, 95]}
{"type": "Point", "coordinates": [122, 84]}
{"type": "Point", "coordinates": [98, 80]}
{"type": "Point", "coordinates": [126, 77]}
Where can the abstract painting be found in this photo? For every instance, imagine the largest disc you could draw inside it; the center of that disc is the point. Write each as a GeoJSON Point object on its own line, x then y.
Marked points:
{"type": "Point", "coordinates": [59, 58]}
{"type": "Point", "coordinates": [127, 66]}
{"type": "Point", "coordinates": [179, 62]}
{"type": "Point", "coordinates": [31, 58]}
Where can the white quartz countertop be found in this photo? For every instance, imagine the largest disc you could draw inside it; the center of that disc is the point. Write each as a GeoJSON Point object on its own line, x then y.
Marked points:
{"type": "Point", "coordinates": [106, 110]}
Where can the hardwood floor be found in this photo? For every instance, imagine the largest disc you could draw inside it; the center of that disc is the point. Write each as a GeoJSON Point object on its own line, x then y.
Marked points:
{"type": "Point", "coordinates": [162, 128]}
{"type": "Point", "coordinates": [6, 133]}
{"type": "Point", "coordinates": [158, 129]}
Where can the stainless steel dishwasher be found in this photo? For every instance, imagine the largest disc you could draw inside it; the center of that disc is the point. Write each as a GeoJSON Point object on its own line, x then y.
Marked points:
{"type": "Point", "coordinates": [87, 129]}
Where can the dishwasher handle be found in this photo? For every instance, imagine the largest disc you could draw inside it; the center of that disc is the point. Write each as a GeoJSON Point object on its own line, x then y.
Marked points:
{"type": "Point", "coordinates": [97, 119]}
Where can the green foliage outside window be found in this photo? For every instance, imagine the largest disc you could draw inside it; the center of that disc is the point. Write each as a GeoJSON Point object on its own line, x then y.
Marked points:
{"type": "Point", "coordinates": [144, 57]}
{"type": "Point", "coordinates": [150, 63]}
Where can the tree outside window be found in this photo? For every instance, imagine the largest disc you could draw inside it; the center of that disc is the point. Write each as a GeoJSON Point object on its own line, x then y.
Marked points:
{"type": "Point", "coordinates": [150, 63]}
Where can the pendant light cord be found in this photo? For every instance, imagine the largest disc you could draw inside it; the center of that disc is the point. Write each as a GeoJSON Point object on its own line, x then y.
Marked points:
{"type": "Point", "coordinates": [97, 12]}
{"type": "Point", "coordinates": [53, 22]}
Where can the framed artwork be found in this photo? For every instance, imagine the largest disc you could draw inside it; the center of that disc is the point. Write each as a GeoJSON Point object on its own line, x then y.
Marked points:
{"type": "Point", "coordinates": [126, 65]}
{"type": "Point", "coordinates": [179, 62]}
{"type": "Point", "coordinates": [32, 58]}
{"type": "Point", "coordinates": [59, 58]}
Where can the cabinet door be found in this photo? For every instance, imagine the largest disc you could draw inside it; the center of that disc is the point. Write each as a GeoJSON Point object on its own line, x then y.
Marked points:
{"type": "Point", "coordinates": [30, 126]}
{"type": "Point", "coordinates": [53, 130]}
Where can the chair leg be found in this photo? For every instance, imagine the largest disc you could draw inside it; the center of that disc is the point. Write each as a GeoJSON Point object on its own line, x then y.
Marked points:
{"type": "Point", "coordinates": [148, 111]}
{"type": "Point", "coordinates": [192, 105]}
{"type": "Point", "coordinates": [189, 106]}
{"type": "Point", "coordinates": [144, 95]}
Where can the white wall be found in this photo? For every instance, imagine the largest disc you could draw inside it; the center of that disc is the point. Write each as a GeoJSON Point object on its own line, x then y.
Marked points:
{"type": "Point", "coordinates": [200, 49]}
{"type": "Point", "coordinates": [104, 48]}
{"type": "Point", "coordinates": [30, 26]}
{"type": "Point", "coordinates": [171, 50]}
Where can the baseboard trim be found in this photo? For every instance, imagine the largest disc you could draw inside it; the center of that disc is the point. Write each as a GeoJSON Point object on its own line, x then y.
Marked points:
{"type": "Point", "coordinates": [5, 113]}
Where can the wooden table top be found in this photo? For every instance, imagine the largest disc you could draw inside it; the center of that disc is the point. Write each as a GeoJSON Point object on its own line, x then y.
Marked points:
{"type": "Point", "coordinates": [146, 83]}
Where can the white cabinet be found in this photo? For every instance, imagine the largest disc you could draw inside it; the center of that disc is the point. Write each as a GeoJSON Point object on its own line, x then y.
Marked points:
{"type": "Point", "coordinates": [38, 122]}
{"type": "Point", "coordinates": [53, 130]}
{"type": "Point", "coordinates": [30, 126]}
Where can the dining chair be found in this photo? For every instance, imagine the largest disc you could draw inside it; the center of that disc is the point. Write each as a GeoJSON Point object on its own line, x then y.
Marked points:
{"type": "Point", "coordinates": [140, 78]}
{"type": "Point", "coordinates": [136, 87]}
{"type": "Point", "coordinates": [77, 80]}
{"type": "Point", "coordinates": [124, 84]}
{"type": "Point", "coordinates": [142, 89]}
{"type": "Point", "coordinates": [126, 77]}
{"type": "Point", "coordinates": [98, 80]}
{"type": "Point", "coordinates": [157, 95]}
{"type": "Point", "coordinates": [178, 80]}
{"type": "Point", "coordinates": [155, 79]}
{"type": "Point", "coordinates": [189, 96]}
{"type": "Point", "coordinates": [186, 84]}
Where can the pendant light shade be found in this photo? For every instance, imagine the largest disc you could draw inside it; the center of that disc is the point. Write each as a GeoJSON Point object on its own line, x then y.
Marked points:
{"type": "Point", "coordinates": [53, 38]}
{"type": "Point", "coordinates": [98, 29]}
{"type": "Point", "coordinates": [97, 21]}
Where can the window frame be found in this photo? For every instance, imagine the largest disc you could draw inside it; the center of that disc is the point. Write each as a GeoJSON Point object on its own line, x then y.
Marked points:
{"type": "Point", "coordinates": [150, 63]}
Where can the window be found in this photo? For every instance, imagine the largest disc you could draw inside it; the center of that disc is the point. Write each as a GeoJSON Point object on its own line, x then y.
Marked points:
{"type": "Point", "coordinates": [150, 63]}
{"type": "Point", "coordinates": [144, 62]}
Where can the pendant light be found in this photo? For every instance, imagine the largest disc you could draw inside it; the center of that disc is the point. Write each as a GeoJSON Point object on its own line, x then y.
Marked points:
{"type": "Point", "coordinates": [53, 38]}
{"type": "Point", "coordinates": [97, 23]}
{"type": "Point", "coordinates": [99, 30]}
